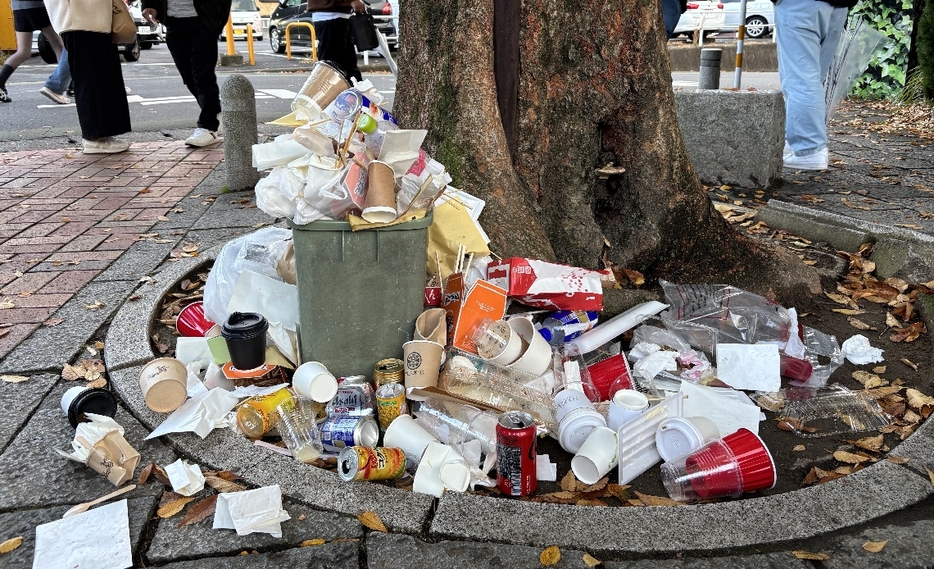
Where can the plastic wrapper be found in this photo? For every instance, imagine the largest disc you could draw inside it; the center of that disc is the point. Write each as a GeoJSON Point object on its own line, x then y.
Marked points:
{"type": "Point", "coordinates": [673, 339]}
{"type": "Point", "coordinates": [851, 58]}
{"type": "Point", "coordinates": [548, 285]}
{"type": "Point", "coordinates": [276, 194]}
{"type": "Point", "coordinates": [825, 411]}
{"type": "Point", "coordinates": [456, 424]}
{"type": "Point", "coordinates": [820, 347]}
{"type": "Point", "coordinates": [258, 252]}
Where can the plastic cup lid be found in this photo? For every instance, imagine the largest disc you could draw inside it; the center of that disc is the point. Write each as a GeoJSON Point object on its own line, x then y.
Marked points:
{"type": "Point", "coordinates": [677, 437]}
{"type": "Point", "coordinates": [94, 400]}
{"type": "Point", "coordinates": [573, 431]}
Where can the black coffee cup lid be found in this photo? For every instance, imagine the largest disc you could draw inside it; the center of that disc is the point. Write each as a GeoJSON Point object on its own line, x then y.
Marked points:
{"type": "Point", "coordinates": [94, 400]}
{"type": "Point", "coordinates": [242, 324]}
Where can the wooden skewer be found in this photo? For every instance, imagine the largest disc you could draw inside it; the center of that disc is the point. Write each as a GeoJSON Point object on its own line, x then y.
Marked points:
{"type": "Point", "coordinates": [469, 262]}
{"type": "Point", "coordinates": [438, 263]}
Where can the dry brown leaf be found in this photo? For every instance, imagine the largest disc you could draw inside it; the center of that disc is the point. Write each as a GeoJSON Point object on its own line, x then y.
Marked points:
{"type": "Point", "coordinates": [569, 482]}
{"type": "Point", "coordinates": [858, 324]}
{"type": "Point", "coordinates": [650, 500]}
{"type": "Point", "coordinates": [99, 345]}
{"type": "Point", "coordinates": [814, 476]}
{"type": "Point", "coordinates": [801, 554]}
{"type": "Point", "coordinates": [94, 305]}
{"type": "Point", "coordinates": [562, 495]}
{"type": "Point", "coordinates": [144, 473]}
{"type": "Point", "coordinates": [173, 507]}
{"type": "Point", "coordinates": [874, 546]}
{"type": "Point", "coordinates": [311, 542]}
{"type": "Point", "coordinates": [909, 334]}
{"type": "Point", "coordinates": [879, 369]}
{"type": "Point", "coordinates": [161, 476]}
{"type": "Point", "coordinates": [909, 363]}
{"type": "Point", "coordinates": [798, 448]}
{"type": "Point", "coordinates": [97, 383]}
{"type": "Point", "coordinates": [372, 521]}
{"type": "Point", "coordinates": [222, 485]}
{"type": "Point", "coordinates": [869, 380]}
{"type": "Point", "coordinates": [850, 458]}
{"type": "Point", "coordinates": [840, 299]}
{"type": "Point", "coordinates": [7, 303]}
{"type": "Point", "coordinates": [891, 321]}
{"type": "Point", "coordinates": [199, 511]}
{"type": "Point", "coordinates": [919, 401]}
{"type": "Point", "coordinates": [590, 561]}
{"type": "Point", "coordinates": [595, 487]}
{"type": "Point", "coordinates": [896, 459]}
{"type": "Point", "coordinates": [53, 322]}
{"type": "Point", "coordinates": [71, 373]}
{"type": "Point", "coordinates": [909, 417]}
{"type": "Point", "coordinates": [13, 378]}
{"type": "Point", "coordinates": [930, 474]}
{"type": "Point", "coordinates": [11, 544]}
{"type": "Point", "coordinates": [847, 311]}
{"type": "Point", "coordinates": [874, 444]}
{"type": "Point", "coordinates": [550, 556]}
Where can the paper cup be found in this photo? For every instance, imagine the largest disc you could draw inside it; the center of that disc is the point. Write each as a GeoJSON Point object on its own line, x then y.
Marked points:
{"type": "Point", "coordinates": [576, 426]}
{"type": "Point", "coordinates": [192, 322]}
{"type": "Point", "coordinates": [80, 400]}
{"type": "Point", "coordinates": [535, 356]}
{"type": "Point", "coordinates": [625, 406]}
{"type": "Point", "coordinates": [678, 436]}
{"type": "Point", "coordinates": [569, 400]}
{"type": "Point", "coordinates": [379, 206]}
{"type": "Point", "coordinates": [432, 325]}
{"type": "Point", "coordinates": [596, 457]}
{"type": "Point", "coordinates": [428, 476]}
{"type": "Point", "coordinates": [496, 342]}
{"type": "Point", "coordinates": [755, 461]}
{"type": "Point", "coordinates": [314, 381]}
{"type": "Point", "coordinates": [408, 435]}
{"type": "Point", "coordinates": [323, 85]}
{"type": "Point", "coordinates": [455, 473]}
{"type": "Point", "coordinates": [422, 363]}
{"type": "Point", "coordinates": [163, 382]}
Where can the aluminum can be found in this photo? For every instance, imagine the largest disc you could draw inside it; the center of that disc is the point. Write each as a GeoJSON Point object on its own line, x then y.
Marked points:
{"type": "Point", "coordinates": [390, 370]}
{"type": "Point", "coordinates": [364, 463]}
{"type": "Point", "coordinates": [515, 454]}
{"type": "Point", "coordinates": [354, 396]}
{"type": "Point", "coordinates": [340, 432]}
{"type": "Point", "coordinates": [390, 403]}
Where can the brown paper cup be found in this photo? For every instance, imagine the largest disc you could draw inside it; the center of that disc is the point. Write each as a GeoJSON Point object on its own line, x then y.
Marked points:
{"type": "Point", "coordinates": [422, 363]}
{"type": "Point", "coordinates": [164, 383]}
{"type": "Point", "coordinates": [379, 206]}
{"type": "Point", "coordinates": [323, 85]}
{"type": "Point", "coordinates": [432, 325]}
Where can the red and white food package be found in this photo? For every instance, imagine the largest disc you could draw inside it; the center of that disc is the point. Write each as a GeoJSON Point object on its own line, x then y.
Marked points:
{"type": "Point", "coordinates": [547, 285]}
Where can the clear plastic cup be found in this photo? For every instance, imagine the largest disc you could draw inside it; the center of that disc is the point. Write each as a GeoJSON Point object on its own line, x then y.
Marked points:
{"type": "Point", "coordinates": [298, 429]}
{"type": "Point", "coordinates": [709, 472]}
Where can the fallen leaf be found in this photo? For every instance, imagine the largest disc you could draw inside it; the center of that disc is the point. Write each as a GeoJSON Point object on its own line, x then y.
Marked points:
{"type": "Point", "coordinates": [144, 473]}
{"type": "Point", "coordinates": [52, 322]}
{"type": "Point", "coordinates": [919, 401]}
{"type": "Point", "coordinates": [13, 378]}
{"type": "Point", "coordinates": [930, 474]}
{"type": "Point", "coordinates": [909, 363]}
{"type": "Point", "coordinates": [222, 485]}
{"type": "Point", "coordinates": [798, 448]}
{"type": "Point", "coordinates": [847, 311]}
{"type": "Point", "coordinates": [11, 544]}
{"type": "Point", "coordinates": [71, 373]}
{"type": "Point", "coordinates": [874, 546]}
{"type": "Point", "coordinates": [650, 500]}
{"type": "Point", "coordinates": [896, 459]}
{"type": "Point", "coordinates": [161, 476]}
{"type": "Point", "coordinates": [199, 511]}
{"type": "Point", "coordinates": [174, 507]}
{"type": "Point", "coordinates": [909, 334]}
{"type": "Point", "coordinates": [310, 542]}
{"type": "Point", "coordinates": [95, 305]}
{"type": "Point", "coordinates": [595, 487]}
{"type": "Point", "coordinates": [850, 458]}
{"type": "Point", "coordinates": [858, 324]}
{"type": "Point", "coordinates": [874, 444]}
{"type": "Point", "coordinates": [4, 332]}
{"type": "Point", "coordinates": [98, 383]}
{"type": "Point", "coordinates": [569, 482]}
{"type": "Point", "coordinates": [550, 556]}
{"type": "Point", "coordinates": [840, 299]}
{"type": "Point", "coordinates": [6, 304]}
{"type": "Point", "coordinates": [869, 380]}
{"type": "Point", "coordinates": [190, 248]}
{"type": "Point", "coordinates": [891, 321]}
{"type": "Point", "coordinates": [372, 521]}
{"type": "Point", "coordinates": [801, 554]}
{"type": "Point", "coordinates": [590, 561]}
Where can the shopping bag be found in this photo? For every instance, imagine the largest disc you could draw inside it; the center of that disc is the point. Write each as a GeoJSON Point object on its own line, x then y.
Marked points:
{"type": "Point", "coordinates": [123, 29]}
{"type": "Point", "coordinates": [363, 30]}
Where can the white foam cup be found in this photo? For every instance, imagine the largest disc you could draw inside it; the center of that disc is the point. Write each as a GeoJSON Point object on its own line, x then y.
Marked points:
{"type": "Point", "coordinates": [678, 436]}
{"type": "Point", "coordinates": [626, 405]}
{"type": "Point", "coordinates": [408, 435]}
{"type": "Point", "coordinates": [536, 357]}
{"type": "Point", "coordinates": [314, 381]}
{"type": "Point", "coordinates": [596, 457]}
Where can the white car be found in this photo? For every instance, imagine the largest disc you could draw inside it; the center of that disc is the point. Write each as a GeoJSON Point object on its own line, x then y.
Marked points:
{"type": "Point", "coordinates": [760, 17]}
{"type": "Point", "coordinates": [706, 15]}
{"type": "Point", "coordinates": [243, 12]}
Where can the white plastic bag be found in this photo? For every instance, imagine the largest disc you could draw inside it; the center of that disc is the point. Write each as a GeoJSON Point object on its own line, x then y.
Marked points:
{"type": "Point", "coordinates": [270, 196]}
{"type": "Point", "coordinates": [258, 252]}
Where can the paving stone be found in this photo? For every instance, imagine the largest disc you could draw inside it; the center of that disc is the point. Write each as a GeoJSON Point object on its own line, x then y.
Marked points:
{"type": "Point", "coordinates": [172, 543]}
{"type": "Point", "coordinates": [340, 555]}
{"type": "Point", "coordinates": [138, 261]}
{"type": "Point", "coordinates": [223, 213]}
{"type": "Point", "coordinates": [908, 546]}
{"type": "Point", "coordinates": [18, 401]}
{"type": "Point", "coordinates": [35, 475]}
{"type": "Point", "coordinates": [784, 560]}
{"type": "Point", "coordinates": [49, 347]}
{"type": "Point", "coordinates": [24, 522]}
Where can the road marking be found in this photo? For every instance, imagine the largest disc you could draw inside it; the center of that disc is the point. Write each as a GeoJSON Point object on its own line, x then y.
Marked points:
{"type": "Point", "coordinates": [684, 83]}
{"type": "Point", "coordinates": [279, 93]}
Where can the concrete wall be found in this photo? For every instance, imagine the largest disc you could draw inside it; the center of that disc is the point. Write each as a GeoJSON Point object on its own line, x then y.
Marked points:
{"type": "Point", "coordinates": [757, 56]}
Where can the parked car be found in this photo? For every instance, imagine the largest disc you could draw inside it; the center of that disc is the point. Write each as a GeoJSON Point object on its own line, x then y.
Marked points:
{"type": "Point", "coordinates": [760, 17]}
{"type": "Point", "coordinates": [147, 34]}
{"type": "Point", "coordinates": [706, 15]}
{"type": "Point", "coordinates": [294, 11]}
{"type": "Point", "coordinates": [243, 12]}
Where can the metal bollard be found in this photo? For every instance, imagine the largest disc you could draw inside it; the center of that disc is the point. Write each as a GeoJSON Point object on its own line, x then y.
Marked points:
{"type": "Point", "coordinates": [238, 110]}
{"type": "Point", "coordinates": [709, 77]}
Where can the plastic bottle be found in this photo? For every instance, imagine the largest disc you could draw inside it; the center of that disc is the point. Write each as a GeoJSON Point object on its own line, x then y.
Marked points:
{"type": "Point", "coordinates": [374, 131]}
{"type": "Point", "coordinates": [567, 325]}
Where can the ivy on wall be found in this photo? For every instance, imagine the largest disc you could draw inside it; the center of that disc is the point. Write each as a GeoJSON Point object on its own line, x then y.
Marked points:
{"type": "Point", "coordinates": [887, 70]}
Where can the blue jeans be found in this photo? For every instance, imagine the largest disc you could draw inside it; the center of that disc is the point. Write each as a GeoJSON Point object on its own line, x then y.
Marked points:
{"type": "Point", "coordinates": [59, 80]}
{"type": "Point", "coordinates": [808, 32]}
{"type": "Point", "coordinates": [671, 13]}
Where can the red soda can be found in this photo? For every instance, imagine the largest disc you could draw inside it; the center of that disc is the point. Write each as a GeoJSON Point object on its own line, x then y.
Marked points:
{"type": "Point", "coordinates": [515, 454]}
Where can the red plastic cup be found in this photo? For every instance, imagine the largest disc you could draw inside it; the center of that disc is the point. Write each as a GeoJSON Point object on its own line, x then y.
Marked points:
{"type": "Point", "coordinates": [610, 375]}
{"type": "Point", "coordinates": [432, 296]}
{"type": "Point", "coordinates": [755, 461]}
{"type": "Point", "coordinates": [192, 322]}
{"type": "Point", "coordinates": [794, 368]}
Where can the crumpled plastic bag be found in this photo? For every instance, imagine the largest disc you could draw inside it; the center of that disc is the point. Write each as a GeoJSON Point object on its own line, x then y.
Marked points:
{"type": "Point", "coordinates": [258, 252]}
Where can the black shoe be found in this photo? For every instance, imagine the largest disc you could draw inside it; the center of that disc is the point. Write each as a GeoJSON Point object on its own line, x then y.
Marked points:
{"type": "Point", "coordinates": [4, 96]}
{"type": "Point", "coordinates": [70, 92]}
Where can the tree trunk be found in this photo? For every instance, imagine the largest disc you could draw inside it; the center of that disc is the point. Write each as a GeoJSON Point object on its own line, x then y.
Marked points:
{"type": "Point", "coordinates": [594, 88]}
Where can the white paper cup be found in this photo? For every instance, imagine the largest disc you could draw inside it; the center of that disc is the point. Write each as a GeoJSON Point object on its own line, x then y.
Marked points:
{"type": "Point", "coordinates": [497, 342]}
{"type": "Point", "coordinates": [428, 476]}
{"type": "Point", "coordinates": [408, 435]}
{"type": "Point", "coordinates": [569, 400]}
{"type": "Point", "coordinates": [432, 325]}
{"type": "Point", "coordinates": [70, 395]}
{"type": "Point", "coordinates": [455, 473]}
{"type": "Point", "coordinates": [536, 357]}
{"type": "Point", "coordinates": [626, 405]}
{"type": "Point", "coordinates": [314, 381]}
{"type": "Point", "coordinates": [679, 436]}
{"type": "Point", "coordinates": [597, 456]}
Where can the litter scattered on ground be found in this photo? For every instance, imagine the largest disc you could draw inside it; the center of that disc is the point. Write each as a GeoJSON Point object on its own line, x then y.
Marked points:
{"type": "Point", "coordinates": [96, 539]}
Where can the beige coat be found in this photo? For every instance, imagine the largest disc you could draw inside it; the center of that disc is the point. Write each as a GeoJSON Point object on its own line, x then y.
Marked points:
{"type": "Point", "coordinates": [80, 15]}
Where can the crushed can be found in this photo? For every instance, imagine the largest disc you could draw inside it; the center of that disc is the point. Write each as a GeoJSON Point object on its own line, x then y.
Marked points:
{"type": "Point", "coordinates": [364, 463]}
{"type": "Point", "coordinates": [354, 397]}
{"type": "Point", "coordinates": [516, 454]}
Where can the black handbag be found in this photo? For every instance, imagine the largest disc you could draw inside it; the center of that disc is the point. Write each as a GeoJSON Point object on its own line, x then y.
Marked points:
{"type": "Point", "coordinates": [363, 29]}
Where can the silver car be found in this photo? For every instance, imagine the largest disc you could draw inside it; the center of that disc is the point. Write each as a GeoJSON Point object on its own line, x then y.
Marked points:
{"type": "Point", "coordinates": [760, 17]}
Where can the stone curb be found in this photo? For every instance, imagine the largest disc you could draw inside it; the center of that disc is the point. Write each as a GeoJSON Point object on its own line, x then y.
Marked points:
{"type": "Point", "coordinates": [704, 527]}
{"type": "Point", "coordinates": [897, 251]}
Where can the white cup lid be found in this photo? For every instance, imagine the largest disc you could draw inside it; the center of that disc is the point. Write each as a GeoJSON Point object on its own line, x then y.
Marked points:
{"type": "Point", "coordinates": [676, 437]}
{"type": "Point", "coordinates": [573, 431]}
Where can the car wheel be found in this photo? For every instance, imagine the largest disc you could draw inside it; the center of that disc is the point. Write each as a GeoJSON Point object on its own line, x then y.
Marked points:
{"type": "Point", "coordinates": [756, 27]}
{"type": "Point", "coordinates": [275, 41]}
{"type": "Point", "coordinates": [45, 50]}
{"type": "Point", "coordinates": [132, 51]}
{"type": "Point", "coordinates": [145, 45]}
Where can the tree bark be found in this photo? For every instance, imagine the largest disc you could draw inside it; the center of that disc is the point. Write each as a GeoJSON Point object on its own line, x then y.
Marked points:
{"type": "Point", "coordinates": [594, 88]}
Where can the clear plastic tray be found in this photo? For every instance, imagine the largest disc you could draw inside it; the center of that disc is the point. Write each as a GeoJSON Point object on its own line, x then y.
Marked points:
{"type": "Point", "coordinates": [829, 410]}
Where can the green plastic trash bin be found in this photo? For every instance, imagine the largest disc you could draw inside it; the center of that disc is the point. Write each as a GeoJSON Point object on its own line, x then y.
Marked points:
{"type": "Point", "coordinates": [359, 292]}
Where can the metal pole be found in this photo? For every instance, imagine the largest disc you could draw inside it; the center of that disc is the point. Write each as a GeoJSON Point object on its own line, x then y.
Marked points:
{"type": "Point", "coordinates": [249, 43]}
{"type": "Point", "coordinates": [228, 31]}
{"type": "Point", "coordinates": [740, 37]}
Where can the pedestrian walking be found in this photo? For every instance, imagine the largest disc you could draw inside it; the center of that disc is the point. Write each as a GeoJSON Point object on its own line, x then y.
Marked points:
{"type": "Point", "coordinates": [57, 84]}
{"type": "Point", "coordinates": [192, 29]}
{"type": "Point", "coordinates": [808, 32]}
{"type": "Point", "coordinates": [331, 19]}
{"type": "Point", "coordinates": [100, 96]}
{"type": "Point", "coordinates": [28, 16]}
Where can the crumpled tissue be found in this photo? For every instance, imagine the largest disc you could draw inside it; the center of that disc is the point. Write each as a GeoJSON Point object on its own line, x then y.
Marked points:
{"type": "Point", "coordinates": [200, 414]}
{"type": "Point", "coordinates": [186, 478]}
{"type": "Point", "coordinates": [251, 511]}
{"type": "Point", "coordinates": [100, 445]}
{"type": "Point", "coordinates": [96, 539]}
{"type": "Point", "coordinates": [652, 360]}
{"type": "Point", "coordinates": [858, 350]}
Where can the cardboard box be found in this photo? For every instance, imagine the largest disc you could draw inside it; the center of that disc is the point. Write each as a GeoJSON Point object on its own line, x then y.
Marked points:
{"type": "Point", "coordinates": [547, 285]}
{"type": "Point", "coordinates": [466, 309]}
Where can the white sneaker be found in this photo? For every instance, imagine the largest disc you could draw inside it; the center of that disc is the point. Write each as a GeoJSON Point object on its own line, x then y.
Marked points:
{"type": "Point", "coordinates": [106, 145]}
{"type": "Point", "coordinates": [816, 161]}
{"type": "Point", "coordinates": [203, 137]}
{"type": "Point", "coordinates": [60, 99]}
{"type": "Point", "coordinates": [787, 152]}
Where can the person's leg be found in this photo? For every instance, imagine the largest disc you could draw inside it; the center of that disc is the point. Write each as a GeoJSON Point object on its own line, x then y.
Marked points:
{"type": "Point", "coordinates": [178, 40]}
{"type": "Point", "coordinates": [100, 97]}
{"type": "Point", "coordinates": [203, 62]}
{"type": "Point", "coordinates": [23, 53]}
{"type": "Point", "coordinates": [671, 13]}
{"type": "Point", "coordinates": [59, 80]}
{"type": "Point", "coordinates": [336, 44]}
{"type": "Point", "coordinates": [54, 40]}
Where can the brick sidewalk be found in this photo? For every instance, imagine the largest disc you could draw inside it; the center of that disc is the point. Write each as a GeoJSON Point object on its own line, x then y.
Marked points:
{"type": "Point", "coordinates": [66, 216]}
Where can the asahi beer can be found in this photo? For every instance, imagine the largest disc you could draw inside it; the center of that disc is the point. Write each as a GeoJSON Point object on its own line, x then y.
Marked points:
{"type": "Point", "coordinates": [390, 370]}
{"type": "Point", "coordinates": [390, 403]}
{"type": "Point", "coordinates": [354, 396]}
{"type": "Point", "coordinates": [515, 454]}
{"type": "Point", "coordinates": [340, 432]}
{"type": "Point", "coordinates": [364, 463]}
